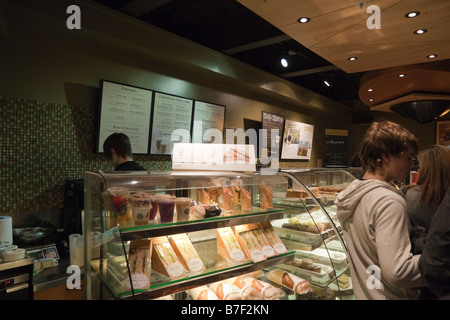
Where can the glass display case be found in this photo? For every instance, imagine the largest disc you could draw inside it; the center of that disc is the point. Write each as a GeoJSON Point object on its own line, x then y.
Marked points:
{"type": "Point", "coordinates": [175, 235]}
{"type": "Point", "coordinates": [311, 228]}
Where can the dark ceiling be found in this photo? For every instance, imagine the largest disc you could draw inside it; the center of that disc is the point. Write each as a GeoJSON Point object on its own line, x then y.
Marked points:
{"type": "Point", "coordinates": [229, 27]}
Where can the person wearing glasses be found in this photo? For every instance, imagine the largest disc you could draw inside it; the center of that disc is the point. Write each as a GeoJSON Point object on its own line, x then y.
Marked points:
{"type": "Point", "coordinates": [372, 212]}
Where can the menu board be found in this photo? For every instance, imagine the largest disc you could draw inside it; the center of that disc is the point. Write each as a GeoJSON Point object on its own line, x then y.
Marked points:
{"type": "Point", "coordinates": [273, 125]}
{"type": "Point", "coordinates": [336, 148]}
{"type": "Point", "coordinates": [297, 140]}
{"type": "Point", "coordinates": [125, 109]}
{"type": "Point", "coordinates": [209, 120]}
{"type": "Point", "coordinates": [171, 122]}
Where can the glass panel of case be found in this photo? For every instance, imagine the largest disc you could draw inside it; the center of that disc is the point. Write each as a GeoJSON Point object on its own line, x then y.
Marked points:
{"type": "Point", "coordinates": [117, 243]}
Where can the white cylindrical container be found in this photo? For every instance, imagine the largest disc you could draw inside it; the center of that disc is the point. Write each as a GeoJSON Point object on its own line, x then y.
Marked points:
{"type": "Point", "coordinates": [6, 230]}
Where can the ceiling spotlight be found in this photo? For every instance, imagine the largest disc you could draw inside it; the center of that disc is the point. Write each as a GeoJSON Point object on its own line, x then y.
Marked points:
{"type": "Point", "coordinates": [420, 31]}
{"type": "Point", "coordinates": [327, 83]}
{"type": "Point", "coordinates": [412, 14]}
{"type": "Point", "coordinates": [352, 58]}
{"type": "Point", "coordinates": [432, 56]}
{"type": "Point", "coordinates": [284, 62]}
{"type": "Point", "coordinates": [371, 99]}
{"type": "Point", "coordinates": [303, 20]}
{"type": "Point", "coordinates": [370, 90]}
{"type": "Point", "coordinates": [402, 75]}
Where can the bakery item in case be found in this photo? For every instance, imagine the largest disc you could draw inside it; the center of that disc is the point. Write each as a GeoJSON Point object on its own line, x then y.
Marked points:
{"type": "Point", "coordinates": [202, 293]}
{"type": "Point", "coordinates": [273, 237]}
{"type": "Point", "coordinates": [289, 280]}
{"type": "Point", "coordinates": [139, 264]}
{"type": "Point", "coordinates": [246, 199]}
{"type": "Point", "coordinates": [268, 291]}
{"type": "Point", "coordinates": [246, 290]}
{"type": "Point", "coordinates": [224, 291]}
{"type": "Point", "coordinates": [165, 260]}
{"type": "Point", "coordinates": [196, 212]}
{"type": "Point", "coordinates": [228, 246]}
{"type": "Point", "coordinates": [266, 196]}
{"type": "Point", "coordinates": [186, 252]}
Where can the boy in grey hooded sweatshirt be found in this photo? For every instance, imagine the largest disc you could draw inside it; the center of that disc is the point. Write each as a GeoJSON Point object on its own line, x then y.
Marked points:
{"type": "Point", "coordinates": [373, 216]}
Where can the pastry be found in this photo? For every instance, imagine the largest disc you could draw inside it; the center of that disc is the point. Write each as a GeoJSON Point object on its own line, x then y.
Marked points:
{"type": "Point", "coordinates": [202, 293]}
{"type": "Point", "coordinates": [268, 291]}
{"type": "Point", "coordinates": [224, 291]}
{"type": "Point", "coordinates": [247, 291]}
{"type": "Point", "coordinates": [289, 280]}
{"type": "Point", "coordinates": [343, 281]}
{"type": "Point", "coordinates": [196, 212]}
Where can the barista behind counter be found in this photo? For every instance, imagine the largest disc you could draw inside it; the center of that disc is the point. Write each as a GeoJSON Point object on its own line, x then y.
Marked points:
{"type": "Point", "coordinates": [117, 149]}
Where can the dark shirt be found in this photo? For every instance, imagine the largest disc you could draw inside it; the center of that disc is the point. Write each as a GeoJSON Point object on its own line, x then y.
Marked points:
{"type": "Point", "coordinates": [129, 166]}
{"type": "Point", "coordinates": [434, 263]}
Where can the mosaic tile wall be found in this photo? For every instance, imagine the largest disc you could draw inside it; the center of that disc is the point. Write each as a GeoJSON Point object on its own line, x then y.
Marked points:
{"type": "Point", "coordinates": [42, 145]}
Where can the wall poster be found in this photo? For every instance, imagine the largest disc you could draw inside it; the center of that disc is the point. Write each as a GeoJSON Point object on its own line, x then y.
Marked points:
{"type": "Point", "coordinates": [443, 132]}
{"type": "Point", "coordinates": [271, 121]}
{"type": "Point", "coordinates": [208, 124]}
{"type": "Point", "coordinates": [171, 122]}
{"type": "Point", "coordinates": [297, 140]}
{"type": "Point", "coordinates": [125, 109]}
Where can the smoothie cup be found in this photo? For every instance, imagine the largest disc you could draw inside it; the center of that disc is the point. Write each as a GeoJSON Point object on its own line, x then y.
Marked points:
{"type": "Point", "coordinates": [182, 206]}
{"type": "Point", "coordinates": [119, 197]}
{"type": "Point", "coordinates": [140, 206]}
{"type": "Point", "coordinates": [166, 209]}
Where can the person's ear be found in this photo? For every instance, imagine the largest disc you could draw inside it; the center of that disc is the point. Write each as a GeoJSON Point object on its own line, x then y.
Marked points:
{"type": "Point", "coordinates": [386, 158]}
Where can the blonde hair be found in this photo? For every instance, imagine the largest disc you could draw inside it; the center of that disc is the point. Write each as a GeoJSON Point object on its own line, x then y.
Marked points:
{"type": "Point", "coordinates": [434, 174]}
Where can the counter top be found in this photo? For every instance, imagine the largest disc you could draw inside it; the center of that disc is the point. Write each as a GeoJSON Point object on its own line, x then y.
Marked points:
{"type": "Point", "coordinates": [52, 277]}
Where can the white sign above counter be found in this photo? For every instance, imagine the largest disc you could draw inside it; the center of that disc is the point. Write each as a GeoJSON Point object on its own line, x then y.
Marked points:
{"type": "Point", "coordinates": [212, 156]}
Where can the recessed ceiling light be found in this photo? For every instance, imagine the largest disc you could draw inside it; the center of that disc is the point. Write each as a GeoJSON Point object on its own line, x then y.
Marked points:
{"type": "Point", "coordinates": [352, 58]}
{"type": "Point", "coordinates": [284, 62]}
{"type": "Point", "coordinates": [432, 56]}
{"type": "Point", "coordinates": [370, 90]}
{"type": "Point", "coordinates": [412, 14]}
{"type": "Point", "coordinates": [303, 20]}
{"type": "Point", "coordinates": [327, 83]}
{"type": "Point", "coordinates": [402, 75]}
{"type": "Point", "coordinates": [371, 99]}
{"type": "Point", "coordinates": [420, 31]}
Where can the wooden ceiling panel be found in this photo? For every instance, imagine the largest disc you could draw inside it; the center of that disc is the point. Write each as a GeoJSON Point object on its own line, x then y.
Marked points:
{"type": "Point", "coordinates": [338, 30]}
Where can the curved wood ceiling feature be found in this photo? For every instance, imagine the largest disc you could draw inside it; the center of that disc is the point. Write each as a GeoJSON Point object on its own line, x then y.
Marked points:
{"type": "Point", "coordinates": [427, 81]}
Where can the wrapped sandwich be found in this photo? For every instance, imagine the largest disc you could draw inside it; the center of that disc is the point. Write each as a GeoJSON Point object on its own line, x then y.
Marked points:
{"type": "Point", "coordinates": [202, 293]}
{"type": "Point", "coordinates": [139, 262]}
{"type": "Point", "coordinates": [268, 291]}
{"type": "Point", "coordinates": [165, 260]}
{"type": "Point", "coordinates": [246, 290]}
{"type": "Point", "coordinates": [224, 291]}
{"type": "Point", "coordinates": [266, 196]}
{"type": "Point", "coordinates": [289, 280]}
{"type": "Point", "coordinates": [186, 252]}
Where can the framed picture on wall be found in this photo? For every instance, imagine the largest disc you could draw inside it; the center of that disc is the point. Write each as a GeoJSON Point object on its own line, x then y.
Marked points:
{"type": "Point", "coordinates": [443, 133]}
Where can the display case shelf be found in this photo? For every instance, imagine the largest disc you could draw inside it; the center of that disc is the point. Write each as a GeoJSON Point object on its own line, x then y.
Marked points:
{"type": "Point", "coordinates": [150, 231]}
{"type": "Point", "coordinates": [194, 280]}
